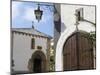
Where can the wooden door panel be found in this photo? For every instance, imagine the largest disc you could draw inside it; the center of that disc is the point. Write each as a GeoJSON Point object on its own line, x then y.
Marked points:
{"type": "Point", "coordinates": [70, 62]}
{"type": "Point", "coordinates": [78, 53]}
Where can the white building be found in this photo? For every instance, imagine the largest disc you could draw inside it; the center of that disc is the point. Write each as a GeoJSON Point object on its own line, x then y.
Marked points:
{"type": "Point", "coordinates": [73, 50]}
{"type": "Point", "coordinates": [67, 19]}
{"type": "Point", "coordinates": [30, 50]}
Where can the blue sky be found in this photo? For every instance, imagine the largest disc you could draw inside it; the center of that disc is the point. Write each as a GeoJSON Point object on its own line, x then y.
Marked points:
{"type": "Point", "coordinates": [23, 15]}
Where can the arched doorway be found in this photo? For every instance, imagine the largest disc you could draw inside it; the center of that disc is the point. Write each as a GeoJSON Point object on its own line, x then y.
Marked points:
{"type": "Point", "coordinates": [77, 52]}
{"type": "Point", "coordinates": [38, 62]}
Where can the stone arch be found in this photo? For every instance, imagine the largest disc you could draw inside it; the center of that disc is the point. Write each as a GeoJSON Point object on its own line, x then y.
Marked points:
{"type": "Point", "coordinates": [59, 48]}
{"type": "Point", "coordinates": [38, 62]}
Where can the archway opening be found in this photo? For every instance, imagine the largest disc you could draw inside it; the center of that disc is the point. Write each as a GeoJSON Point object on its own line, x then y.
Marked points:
{"type": "Point", "coordinates": [38, 62]}
{"type": "Point", "coordinates": [77, 52]}
{"type": "Point", "coordinates": [37, 66]}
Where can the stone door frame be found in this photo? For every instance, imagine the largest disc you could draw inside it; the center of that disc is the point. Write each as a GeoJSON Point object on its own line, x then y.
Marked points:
{"type": "Point", "coordinates": [43, 62]}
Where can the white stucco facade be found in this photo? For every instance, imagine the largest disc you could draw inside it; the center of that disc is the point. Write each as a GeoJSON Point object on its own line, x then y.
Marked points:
{"type": "Point", "coordinates": [68, 21]}
{"type": "Point", "coordinates": [68, 15]}
{"type": "Point", "coordinates": [22, 51]}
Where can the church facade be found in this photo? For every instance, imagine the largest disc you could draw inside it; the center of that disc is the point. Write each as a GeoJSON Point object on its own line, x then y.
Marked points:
{"type": "Point", "coordinates": [30, 50]}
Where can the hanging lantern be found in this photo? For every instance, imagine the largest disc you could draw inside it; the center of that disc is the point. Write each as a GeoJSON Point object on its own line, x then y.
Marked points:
{"type": "Point", "coordinates": [38, 13]}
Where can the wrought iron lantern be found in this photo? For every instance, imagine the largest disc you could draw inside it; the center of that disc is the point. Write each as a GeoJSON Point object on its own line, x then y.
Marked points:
{"type": "Point", "coordinates": [38, 13]}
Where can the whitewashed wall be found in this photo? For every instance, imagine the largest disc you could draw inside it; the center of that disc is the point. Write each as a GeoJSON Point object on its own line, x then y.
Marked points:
{"type": "Point", "coordinates": [68, 14]}
{"type": "Point", "coordinates": [22, 51]}
{"type": "Point", "coordinates": [68, 21]}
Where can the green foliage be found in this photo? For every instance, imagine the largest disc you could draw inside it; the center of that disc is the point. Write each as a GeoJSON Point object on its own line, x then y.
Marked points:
{"type": "Point", "coordinates": [52, 63]}
{"type": "Point", "coordinates": [90, 36]}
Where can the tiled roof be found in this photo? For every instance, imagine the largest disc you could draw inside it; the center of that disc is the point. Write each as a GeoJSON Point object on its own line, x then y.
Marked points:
{"type": "Point", "coordinates": [31, 31]}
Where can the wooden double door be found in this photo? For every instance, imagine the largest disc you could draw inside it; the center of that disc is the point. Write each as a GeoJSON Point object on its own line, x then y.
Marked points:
{"type": "Point", "coordinates": [78, 52]}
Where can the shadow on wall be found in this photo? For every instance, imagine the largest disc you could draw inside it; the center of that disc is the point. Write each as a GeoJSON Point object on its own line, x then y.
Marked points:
{"type": "Point", "coordinates": [63, 27]}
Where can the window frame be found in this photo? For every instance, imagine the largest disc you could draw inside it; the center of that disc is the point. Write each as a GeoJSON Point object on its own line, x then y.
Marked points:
{"type": "Point", "coordinates": [79, 13]}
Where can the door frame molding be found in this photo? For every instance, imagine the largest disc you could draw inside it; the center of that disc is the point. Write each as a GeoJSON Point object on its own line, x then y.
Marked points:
{"type": "Point", "coordinates": [43, 58]}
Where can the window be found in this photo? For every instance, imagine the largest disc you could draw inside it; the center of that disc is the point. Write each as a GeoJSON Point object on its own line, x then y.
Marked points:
{"type": "Point", "coordinates": [79, 13]}
{"type": "Point", "coordinates": [79, 17]}
{"type": "Point", "coordinates": [32, 43]}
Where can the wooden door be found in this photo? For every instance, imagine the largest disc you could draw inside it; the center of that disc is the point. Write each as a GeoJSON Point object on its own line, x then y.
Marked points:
{"type": "Point", "coordinates": [77, 53]}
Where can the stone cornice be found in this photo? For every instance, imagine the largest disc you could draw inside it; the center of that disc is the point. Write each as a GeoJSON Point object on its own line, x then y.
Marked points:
{"type": "Point", "coordinates": [29, 34]}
